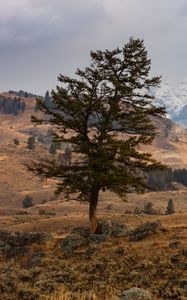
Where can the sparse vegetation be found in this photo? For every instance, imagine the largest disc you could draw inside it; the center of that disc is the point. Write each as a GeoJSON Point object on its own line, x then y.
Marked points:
{"type": "Point", "coordinates": [27, 202]}
{"type": "Point", "coordinates": [148, 208]}
{"type": "Point", "coordinates": [53, 148]}
{"type": "Point", "coordinates": [170, 207]}
{"type": "Point", "coordinates": [16, 142]}
{"type": "Point", "coordinates": [31, 142]}
{"type": "Point", "coordinates": [47, 252]}
{"type": "Point", "coordinates": [42, 271]}
{"type": "Point", "coordinates": [163, 179]}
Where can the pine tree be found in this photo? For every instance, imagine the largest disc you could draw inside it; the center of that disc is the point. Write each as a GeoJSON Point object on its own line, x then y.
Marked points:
{"type": "Point", "coordinates": [105, 114]}
{"type": "Point", "coordinates": [170, 207]}
{"type": "Point", "coordinates": [31, 142]}
{"type": "Point", "coordinates": [16, 142]}
{"type": "Point", "coordinates": [27, 202]}
{"type": "Point", "coordinates": [48, 100]}
{"type": "Point", "coordinates": [148, 208]}
{"type": "Point", "coordinates": [53, 148]}
{"type": "Point", "coordinates": [67, 156]}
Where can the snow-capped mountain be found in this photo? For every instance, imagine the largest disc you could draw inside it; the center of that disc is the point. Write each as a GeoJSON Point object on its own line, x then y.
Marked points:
{"type": "Point", "coordinates": [175, 101]}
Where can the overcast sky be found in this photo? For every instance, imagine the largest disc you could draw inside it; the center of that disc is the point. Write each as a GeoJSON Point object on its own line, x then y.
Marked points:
{"type": "Point", "coordinates": [41, 38]}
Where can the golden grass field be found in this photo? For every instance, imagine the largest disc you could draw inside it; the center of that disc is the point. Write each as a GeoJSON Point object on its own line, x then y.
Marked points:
{"type": "Point", "coordinates": [145, 263]}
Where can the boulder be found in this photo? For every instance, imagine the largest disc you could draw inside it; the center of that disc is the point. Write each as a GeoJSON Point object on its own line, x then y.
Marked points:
{"type": "Point", "coordinates": [145, 230]}
{"type": "Point", "coordinates": [35, 260]}
{"type": "Point", "coordinates": [175, 245]}
{"type": "Point", "coordinates": [119, 229]}
{"type": "Point", "coordinates": [97, 238]}
{"type": "Point", "coordinates": [114, 229]}
{"type": "Point", "coordinates": [104, 227]}
{"type": "Point", "coordinates": [13, 244]}
{"type": "Point", "coordinates": [72, 242]}
{"type": "Point", "coordinates": [136, 294]}
{"type": "Point", "coordinates": [82, 231]}
{"type": "Point", "coordinates": [90, 252]}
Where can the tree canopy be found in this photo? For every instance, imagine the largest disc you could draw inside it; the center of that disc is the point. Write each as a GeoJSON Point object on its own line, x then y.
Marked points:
{"type": "Point", "coordinates": [105, 113]}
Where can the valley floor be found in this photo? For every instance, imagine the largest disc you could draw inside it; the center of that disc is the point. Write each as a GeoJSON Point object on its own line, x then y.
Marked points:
{"type": "Point", "coordinates": [157, 263]}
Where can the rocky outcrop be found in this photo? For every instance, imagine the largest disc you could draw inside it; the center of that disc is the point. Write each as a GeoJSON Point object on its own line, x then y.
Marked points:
{"type": "Point", "coordinates": [72, 242]}
{"type": "Point", "coordinates": [146, 230]}
{"type": "Point", "coordinates": [112, 228]}
{"type": "Point", "coordinates": [136, 294]}
{"type": "Point", "coordinates": [81, 236]}
{"type": "Point", "coordinates": [15, 244]}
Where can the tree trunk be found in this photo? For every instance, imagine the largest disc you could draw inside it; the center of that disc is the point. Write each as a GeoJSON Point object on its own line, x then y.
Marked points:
{"type": "Point", "coordinates": [93, 210]}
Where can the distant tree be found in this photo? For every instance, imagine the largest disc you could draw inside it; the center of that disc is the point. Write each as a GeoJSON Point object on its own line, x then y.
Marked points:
{"type": "Point", "coordinates": [16, 142]}
{"type": "Point", "coordinates": [105, 114]}
{"type": "Point", "coordinates": [180, 175]}
{"type": "Point", "coordinates": [47, 96]}
{"type": "Point", "coordinates": [160, 179]}
{"type": "Point", "coordinates": [31, 142]}
{"type": "Point", "coordinates": [67, 156]}
{"type": "Point", "coordinates": [53, 148]}
{"type": "Point", "coordinates": [148, 208]}
{"type": "Point", "coordinates": [170, 207]}
{"type": "Point", "coordinates": [23, 106]}
{"type": "Point", "coordinates": [48, 100]}
{"type": "Point", "coordinates": [27, 202]}
{"type": "Point", "coordinates": [36, 107]}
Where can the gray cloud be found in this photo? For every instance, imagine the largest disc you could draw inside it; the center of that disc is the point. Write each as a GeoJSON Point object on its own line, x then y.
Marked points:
{"type": "Point", "coordinates": [41, 38]}
{"type": "Point", "coordinates": [26, 21]}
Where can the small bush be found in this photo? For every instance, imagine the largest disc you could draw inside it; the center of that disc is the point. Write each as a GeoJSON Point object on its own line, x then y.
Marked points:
{"type": "Point", "coordinates": [148, 208]}
{"type": "Point", "coordinates": [46, 213]}
{"type": "Point", "coordinates": [27, 202]}
{"type": "Point", "coordinates": [21, 213]}
{"type": "Point", "coordinates": [170, 207]}
{"type": "Point", "coordinates": [138, 211]}
{"type": "Point", "coordinates": [42, 212]}
{"type": "Point", "coordinates": [43, 201]}
{"type": "Point", "coordinates": [109, 207]}
{"type": "Point", "coordinates": [31, 143]}
{"type": "Point", "coordinates": [16, 142]}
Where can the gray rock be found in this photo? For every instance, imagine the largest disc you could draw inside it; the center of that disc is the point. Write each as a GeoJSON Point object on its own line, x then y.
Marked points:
{"type": "Point", "coordinates": [114, 229]}
{"type": "Point", "coordinates": [90, 252]}
{"type": "Point", "coordinates": [105, 227]}
{"type": "Point", "coordinates": [146, 230]}
{"type": "Point", "coordinates": [82, 231]}
{"type": "Point", "coordinates": [13, 244]}
{"type": "Point", "coordinates": [175, 258]}
{"type": "Point", "coordinates": [35, 259]}
{"type": "Point", "coordinates": [16, 251]}
{"type": "Point", "coordinates": [136, 294]}
{"type": "Point", "coordinates": [97, 238]}
{"type": "Point", "coordinates": [119, 229]}
{"type": "Point", "coordinates": [72, 242]}
{"type": "Point", "coordinates": [184, 252]}
{"type": "Point", "coordinates": [175, 245]}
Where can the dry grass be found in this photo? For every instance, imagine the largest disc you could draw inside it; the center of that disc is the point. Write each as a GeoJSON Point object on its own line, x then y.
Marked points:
{"type": "Point", "coordinates": [119, 264]}
{"type": "Point", "coordinates": [63, 294]}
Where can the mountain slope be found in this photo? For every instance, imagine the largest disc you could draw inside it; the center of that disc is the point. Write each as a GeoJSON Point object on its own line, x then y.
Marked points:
{"type": "Point", "coordinates": [174, 99]}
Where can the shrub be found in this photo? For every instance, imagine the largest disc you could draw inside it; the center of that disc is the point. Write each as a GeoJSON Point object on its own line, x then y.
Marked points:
{"type": "Point", "coordinates": [170, 207]}
{"type": "Point", "coordinates": [138, 211]}
{"type": "Point", "coordinates": [148, 208]}
{"type": "Point", "coordinates": [27, 202]}
{"type": "Point", "coordinates": [16, 142]}
{"type": "Point", "coordinates": [31, 143]}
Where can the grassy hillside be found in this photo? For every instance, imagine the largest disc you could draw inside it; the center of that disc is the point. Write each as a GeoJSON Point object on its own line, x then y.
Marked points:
{"type": "Point", "coordinates": [100, 270]}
